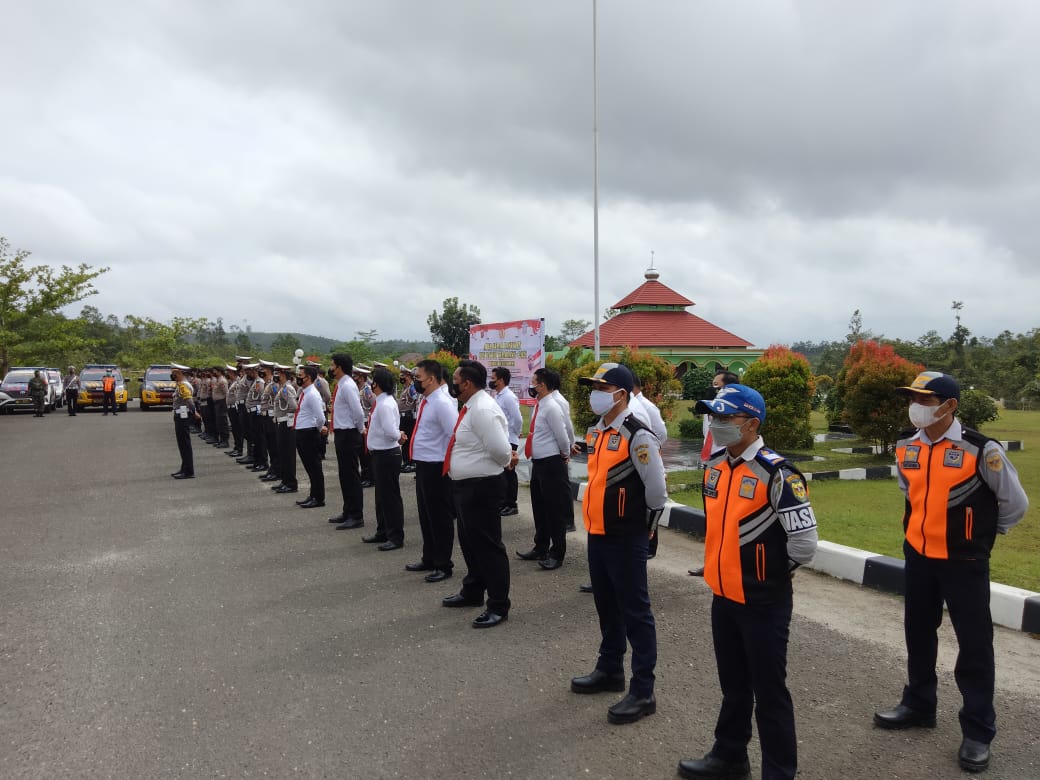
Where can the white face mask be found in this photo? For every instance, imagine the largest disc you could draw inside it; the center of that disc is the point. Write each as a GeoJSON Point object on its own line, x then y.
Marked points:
{"type": "Point", "coordinates": [725, 434]}
{"type": "Point", "coordinates": [922, 416]}
{"type": "Point", "coordinates": [601, 401]}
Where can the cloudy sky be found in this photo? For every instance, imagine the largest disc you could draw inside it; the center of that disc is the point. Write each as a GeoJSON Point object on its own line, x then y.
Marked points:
{"type": "Point", "coordinates": [330, 166]}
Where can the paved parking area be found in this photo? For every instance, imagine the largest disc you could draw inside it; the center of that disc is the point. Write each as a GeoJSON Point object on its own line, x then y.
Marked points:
{"type": "Point", "coordinates": [207, 628]}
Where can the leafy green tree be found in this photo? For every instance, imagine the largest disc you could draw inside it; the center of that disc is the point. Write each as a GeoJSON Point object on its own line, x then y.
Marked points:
{"type": "Point", "coordinates": [28, 293]}
{"type": "Point", "coordinates": [572, 329]}
{"type": "Point", "coordinates": [867, 386]}
{"type": "Point", "coordinates": [243, 345]}
{"type": "Point", "coordinates": [696, 382]}
{"type": "Point", "coordinates": [150, 341]}
{"type": "Point", "coordinates": [359, 351]}
{"type": "Point", "coordinates": [785, 380]}
{"type": "Point", "coordinates": [656, 374]}
{"type": "Point", "coordinates": [976, 408]}
{"type": "Point", "coordinates": [450, 328]}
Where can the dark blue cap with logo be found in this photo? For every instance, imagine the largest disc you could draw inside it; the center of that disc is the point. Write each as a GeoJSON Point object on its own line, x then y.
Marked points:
{"type": "Point", "coordinates": [734, 399]}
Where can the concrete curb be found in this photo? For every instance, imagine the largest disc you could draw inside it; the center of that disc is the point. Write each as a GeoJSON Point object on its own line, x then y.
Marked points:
{"type": "Point", "coordinates": [1011, 607]}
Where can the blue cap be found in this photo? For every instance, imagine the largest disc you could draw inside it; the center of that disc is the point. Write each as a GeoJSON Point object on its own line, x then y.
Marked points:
{"type": "Point", "coordinates": [734, 399]}
{"type": "Point", "coordinates": [934, 383]}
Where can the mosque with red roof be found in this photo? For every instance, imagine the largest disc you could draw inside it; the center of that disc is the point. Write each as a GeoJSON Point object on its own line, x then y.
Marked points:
{"type": "Point", "coordinates": [653, 318]}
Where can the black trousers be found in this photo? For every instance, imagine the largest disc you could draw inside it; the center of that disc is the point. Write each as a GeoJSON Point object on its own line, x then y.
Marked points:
{"type": "Point", "coordinates": [964, 586]}
{"type": "Point", "coordinates": [386, 473]}
{"type": "Point", "coordinates": [206, 407]}
{"type": "Point", "coordinates": [348, 450]}
{"type": "Point", "coordinates": [307, 443]}
{"type": "Point", "coordinates": [551, 505]}
{"type": "Point", "coordinates": [407, 428]}
{"type": "Point", "coordinates": [182, 429]}
{"type": "Point", "coordinates": [366, 464]}
{"type": "Point", "coordinates": [751, 652]}
{"type": "Point", "coordinates": [512, 485]}
{"type": "Point", "coordinates": [109, 400]}
{"type": "Point", "coordinates": [235, 418]}
{"type": "Point", "coordinates": [220, 414]}
{"type": "Point", "coordinates": [477, 503]}
{"type": "Point", "coordinates": [271, 435]}
{"type": "Point", "coordinates": [285, 436]}
{"type": "Point", "coordinates": [256, 427]}
{"type": "Point", "coordinates": [71, 399]}
{"type": "Point", "coordinates": [436, 514]}
{"type": "Point", "coordinates": [617, 570]}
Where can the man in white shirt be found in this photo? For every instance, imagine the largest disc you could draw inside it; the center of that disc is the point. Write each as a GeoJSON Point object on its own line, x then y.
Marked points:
{"type": "Point", "coordinates": [477, 452]}
{"type": "Point", "coordinates": [383, 442]}
{"type": "Point", "coordinates": [549, 451]}
{"type": "Point", "coordinates": [436, 415]}
{"type": "Point", "coordinates": [552, 377]}
{"type": "Point", "coordinates": [348, 423]}
{"type": "Point", "coordinates": [309, 423]}
{"type": "Point", "coordinates": [510, 406]}
{"type": "Point", "coordinates": [653, 413]}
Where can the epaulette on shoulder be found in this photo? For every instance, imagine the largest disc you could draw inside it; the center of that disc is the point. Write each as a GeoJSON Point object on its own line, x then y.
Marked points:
{"type": "Point", "coordinates": [634, 424]}
{"type": "Point", "coordinates": [770, 456]}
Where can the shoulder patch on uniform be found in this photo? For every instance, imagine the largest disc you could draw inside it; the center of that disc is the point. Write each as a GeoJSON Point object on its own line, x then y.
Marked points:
{"type": "Point", "coordinates": [770, 456]}
{"type": "Point", "coordinates": [994, 461]}
{"type": "Point", "coordinates": [183, 391]}
{"type": "Point", "coordinates": [643, 453]}
{"type": "Point", "coordinates": [797, 485]}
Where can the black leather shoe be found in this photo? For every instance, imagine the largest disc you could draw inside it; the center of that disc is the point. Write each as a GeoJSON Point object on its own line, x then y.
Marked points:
{"type": "Point", "coordinates": [711, 766]}
{"type": "Point", "coordinates": [458, 600]}
{"type": "Point", "coordinates": [571, 529]}
{"type": "Point", "coordinates": [532, 555]}
{"type": "Point", "coordinates": [182, 475]}
{"type": "Point", "coordinates": [246, 461]}
{"type": "Point", "coordinates": [303, 501]}
{"type": "Point", "coordinates": [311, 503]}
{"type": "Point", "coordinates": [902, 717]}
{"type": "Point", "coordinates": [632, 708]}
{"type": "Point", "coordinates": [438, 575]}
{"type": "Point", "coordinates": [337, 519]}
{"type": "Point", "coordinates": [221, 445]}
{"type": "Point", "coordinates": [234, 453]}
{"type": "Point", "coordinates": [506, 511]}
{"type": "Point", "coordinates": [973, 755]}
{"type": "Point", "coordinates": [489, 620]}
{"type": "Point", "coordinates": [270, 478]}
{"type": "Point", "coordinates": [698, 572]}
{"type": "Point", "coordinates": [418, 566]}
{"type": "Point", "coordinates": [373, 539]}
{"type": "Point", "coordinates": [258, 467]}
{"type": "Point", "coordinates": [367, 483]}
{"type": "Point", "coordinates": [387, 546]}
{"type": "Point", "coordinates": [550, 563]}
{"type": "Point", "coordinates": [347, 525]}
{"type": "Point", "coordinates": [598, 681]}
{"type": "Point", "coordinates": [585, 588]}
{"type": "Point", "coordinates": [285, 489]}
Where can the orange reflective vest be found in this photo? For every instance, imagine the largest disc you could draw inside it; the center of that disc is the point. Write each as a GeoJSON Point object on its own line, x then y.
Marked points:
{"type": "Point", "coordinates": [108, 384]}
{"type": "Point", "coordinates": [614, 503]}
{"type": "Point", "coordinates": [951, 513]}
{"type": "Point", "coordinates": [745, 544]}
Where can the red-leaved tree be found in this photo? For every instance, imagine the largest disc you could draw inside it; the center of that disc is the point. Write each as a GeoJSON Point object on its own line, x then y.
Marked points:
{"type": "Point", "coordinates": [867, 386]}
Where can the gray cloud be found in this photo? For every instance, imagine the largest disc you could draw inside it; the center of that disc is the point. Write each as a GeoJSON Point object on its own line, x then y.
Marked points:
{"type": "Point", "coordinates": [334, 167]}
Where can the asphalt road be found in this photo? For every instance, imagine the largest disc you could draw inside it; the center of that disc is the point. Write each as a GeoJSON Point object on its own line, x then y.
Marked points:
{"type": "Point", "coordinates": [207, 628]}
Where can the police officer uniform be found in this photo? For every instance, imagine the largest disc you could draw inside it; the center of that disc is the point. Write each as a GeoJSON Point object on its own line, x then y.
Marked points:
{"type": "Point", "coordinates": [285, 403]}
{"type": "Point", "coordinates": [184, 410]}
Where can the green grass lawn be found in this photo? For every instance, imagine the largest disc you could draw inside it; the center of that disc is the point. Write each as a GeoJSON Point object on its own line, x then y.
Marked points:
{"type": "Point", "coordinates": [868, 514]}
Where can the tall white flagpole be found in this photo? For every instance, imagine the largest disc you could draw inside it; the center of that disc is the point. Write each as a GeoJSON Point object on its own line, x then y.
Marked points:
{"type": "Point", "coordinates": [595, 188]}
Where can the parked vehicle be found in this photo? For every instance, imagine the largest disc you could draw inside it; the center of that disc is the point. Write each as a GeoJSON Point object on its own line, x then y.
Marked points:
{"type": "Point", "coordinates": [90, 392]}
{"type": "Point", "coordinates": [157, 387]}
{"type": "Point", "coordinates": [16, 387]}
{"type": "Point", "coordinates": [58, 384]}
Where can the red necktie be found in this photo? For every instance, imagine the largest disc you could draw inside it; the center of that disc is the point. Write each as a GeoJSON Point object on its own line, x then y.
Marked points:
{"type": "Point", "coordinates": [451, 442]}
{"type": "Point", "coordinates": [528, 447]}
{"type": "Point", "coordinates": [298, 407]}
{"type": "Point", "coordinates": [415, 430]}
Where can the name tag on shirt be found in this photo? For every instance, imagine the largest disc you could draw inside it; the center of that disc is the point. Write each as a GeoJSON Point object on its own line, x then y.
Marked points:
{"type": "Point", "coordinates": [953, 458]}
